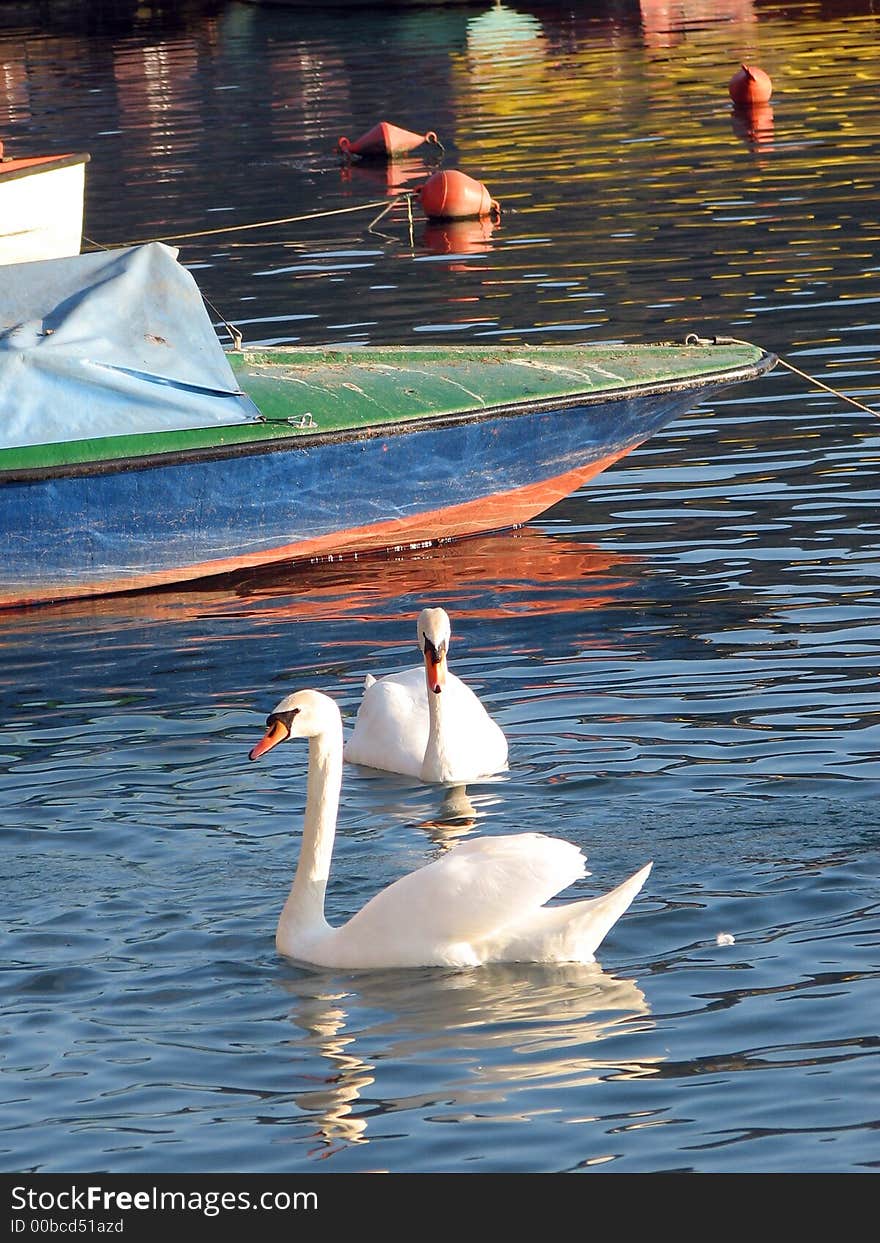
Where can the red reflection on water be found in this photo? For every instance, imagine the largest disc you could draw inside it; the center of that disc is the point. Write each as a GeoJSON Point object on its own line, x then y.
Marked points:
{"type": "Point", "coordinates": [668, 22]}
{"type": "Point", "coordinates": [754, 125]}
{"type": "Point", "coordinates": [459, 237]}
{"type": "Point", "coordinates": [390, 177]}
{"type": "Point", "coordinates": [515, 572]}
{"type": "Point", "coordinates": [511, 573]}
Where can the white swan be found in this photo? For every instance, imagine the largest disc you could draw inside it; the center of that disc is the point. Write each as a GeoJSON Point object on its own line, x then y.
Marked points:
{"type": "Point", "coordinates": [481, 902]}
{"type": "Point", "coordinates": [425, 722]}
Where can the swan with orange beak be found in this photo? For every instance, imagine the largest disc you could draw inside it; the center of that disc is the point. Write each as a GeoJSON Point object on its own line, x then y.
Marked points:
{"type": "Point", "coordinates": [483, 901]}
{"type": "Point", "coordinates": [425, 722]}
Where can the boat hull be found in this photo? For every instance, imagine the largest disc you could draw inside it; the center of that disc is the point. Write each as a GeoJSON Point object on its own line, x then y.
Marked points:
{"type": "Point", "coordinates": [41, 208]}
{"type": "Point", "coordinates": [105, 527]}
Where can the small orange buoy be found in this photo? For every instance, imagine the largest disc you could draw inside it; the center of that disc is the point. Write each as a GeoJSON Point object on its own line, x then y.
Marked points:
{"type": "Point", "coordinates": [385, 141]}
{"type": "Point", "coordinates": [750, 85]}
{"type": "Point", "coordinates": [451, 195]}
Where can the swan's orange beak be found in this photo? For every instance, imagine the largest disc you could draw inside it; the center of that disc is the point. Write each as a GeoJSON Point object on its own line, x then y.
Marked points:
{"type": "Point", "coordinates": [277, 732]}
{"type": "Point", "coordinates": [435, 666]}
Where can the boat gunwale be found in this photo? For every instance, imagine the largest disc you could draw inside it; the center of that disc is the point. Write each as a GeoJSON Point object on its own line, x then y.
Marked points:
{"type": "Point", "coordinates": [13, 169]}
{"type": "Point", "coordinates": [295, 437]}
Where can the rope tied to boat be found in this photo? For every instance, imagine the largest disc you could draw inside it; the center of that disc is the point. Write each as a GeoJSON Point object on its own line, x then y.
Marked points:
{"type": "Point", "coordinates": [236, 228]}
{"type": "Point", "coordinates": [235, 333]}
{"type": "Point", "coordinates": [302, 423]}
{"type": "Point", "coordinates": [693, 339]}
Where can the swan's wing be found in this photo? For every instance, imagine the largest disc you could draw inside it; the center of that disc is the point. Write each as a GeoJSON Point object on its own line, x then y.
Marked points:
{"type": "Point", "coordinates": [391, 728]}
{"type": "Point", "coordinates": [475, 889]}
{"type": "Point", "coordinates": [467, 705]}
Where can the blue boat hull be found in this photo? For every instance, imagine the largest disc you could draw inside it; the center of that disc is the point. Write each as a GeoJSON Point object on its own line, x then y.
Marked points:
{"type": "Point", "coordinates": [123, 526]}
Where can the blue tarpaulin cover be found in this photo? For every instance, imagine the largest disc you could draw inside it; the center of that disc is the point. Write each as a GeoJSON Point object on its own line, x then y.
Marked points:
{"type": "Point", "coordinates": [112, 343]}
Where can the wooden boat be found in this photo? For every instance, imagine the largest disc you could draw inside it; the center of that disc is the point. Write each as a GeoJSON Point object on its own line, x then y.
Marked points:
{"type": "Point", "coordinates": [135, 451]}
{"type": "Point", "coordinates": [41, 206]}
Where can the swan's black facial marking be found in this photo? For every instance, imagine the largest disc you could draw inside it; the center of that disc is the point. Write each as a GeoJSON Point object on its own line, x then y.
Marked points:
{"type": "Point", "coordinates": [282, 718]}
{"type": "Point", "coordinates": [434, 656]}
{"type": "Point", "coordinates": [436, 653]}
{"type": "Point", "coordinates": [278, 728]}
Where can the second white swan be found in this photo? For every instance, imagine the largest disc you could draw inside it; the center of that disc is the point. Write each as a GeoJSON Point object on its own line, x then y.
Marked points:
{"type": "Point", "coordinates": [481, 902]}
{"type": "Point", "coordinates": [425, 722]}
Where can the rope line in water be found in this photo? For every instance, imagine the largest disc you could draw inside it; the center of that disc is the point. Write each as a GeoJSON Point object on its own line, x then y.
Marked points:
{"type": "Point", "coordinates": [235, 228]}
{"type": "Point", "coordinates": [384, 212]}
{"type": "Point", "coordinates": [805, 375]}
{"type": "Point", "coordinates": [828, 389]}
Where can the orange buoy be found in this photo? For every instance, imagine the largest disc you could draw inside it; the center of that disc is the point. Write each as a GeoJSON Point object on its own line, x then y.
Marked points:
{"type": "Point", "coordinates": [385, 141]}
{"type": "Point", "coordinates": [451, 195]}
{"type": "Point", "coordinates": [750, 85]}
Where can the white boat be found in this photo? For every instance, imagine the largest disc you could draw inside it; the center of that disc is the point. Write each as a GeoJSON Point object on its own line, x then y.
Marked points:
{"type": "Point", "coordinates": [41, 207]}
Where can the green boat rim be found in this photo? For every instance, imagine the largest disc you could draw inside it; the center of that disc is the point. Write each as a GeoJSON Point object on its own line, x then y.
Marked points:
{"type": "Point", "coordinates": [315, 395]}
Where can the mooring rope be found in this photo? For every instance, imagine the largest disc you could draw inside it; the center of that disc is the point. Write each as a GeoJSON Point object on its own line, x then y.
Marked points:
{"type": "Point", "coordinates": [236, 228]}
{"type": "Point", "coordinates": [796, 371]}
{"type": "Point", "coordinates": [406, 196]}
{"type": "Point", "coordinates": [234, 332]}
{"type": "Point", "coordinates": [805, 375]}
{"type": "Point", "coordinates": [828, 389]}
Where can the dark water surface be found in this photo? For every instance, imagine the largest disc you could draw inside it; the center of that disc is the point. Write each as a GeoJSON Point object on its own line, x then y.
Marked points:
{"type": "Point", "coordinates": [684, 656]}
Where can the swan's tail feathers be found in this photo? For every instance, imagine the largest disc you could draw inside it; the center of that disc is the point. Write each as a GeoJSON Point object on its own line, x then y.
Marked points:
{"type": "Point", "coordinates": [572, 931]}
{"type": "Point", "coordinates": [369, 681]}
{"type": "Point", "coordinates": [601, 914]}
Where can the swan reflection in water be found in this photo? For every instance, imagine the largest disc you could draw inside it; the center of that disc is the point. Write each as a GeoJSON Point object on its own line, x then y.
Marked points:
{"type": "Point", "coordinates": [490, 1032]}
{"type": "Point", "coordinates": [455, 817]}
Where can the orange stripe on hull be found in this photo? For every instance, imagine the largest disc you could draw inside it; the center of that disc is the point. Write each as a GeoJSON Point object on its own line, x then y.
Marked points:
{"type": "Point", "coordinates": [489, 513]}
{"type": "Point", "coordinates": [33, 163]}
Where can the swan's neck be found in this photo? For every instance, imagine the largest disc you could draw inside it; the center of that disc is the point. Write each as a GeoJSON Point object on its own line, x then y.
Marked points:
{"type": "Point", "coordinates": [304, 909]}
{"type": "Point", "coordinates": [436, 764]}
